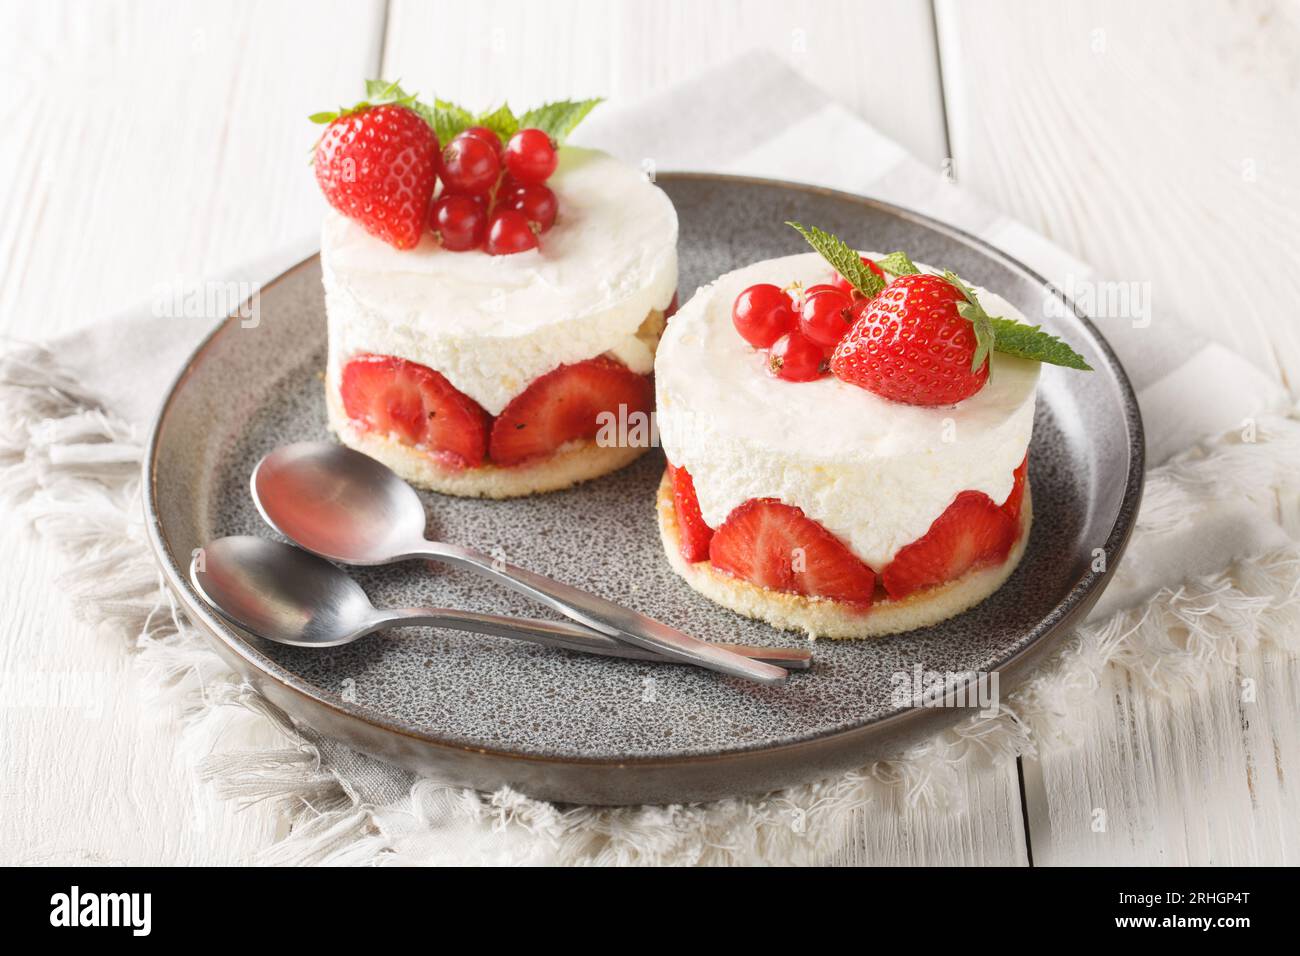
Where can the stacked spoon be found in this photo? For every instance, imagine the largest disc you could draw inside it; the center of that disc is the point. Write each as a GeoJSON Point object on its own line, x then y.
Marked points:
{"type": "Point", "coordinates": [343, 506]}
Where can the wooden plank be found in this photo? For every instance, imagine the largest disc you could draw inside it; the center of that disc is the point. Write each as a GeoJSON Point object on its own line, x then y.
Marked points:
{"type": "Point", "coordinates": [984, 827]}
{"type": "Point", "coordinates": [157, 141]}
{"type": "Point", "coordinates": [1198, 780]}
{"type": "Point", "coordinates": [1158, 147]}
{"type": "Point", "coordinates": [483, 53]}
{"type": "Point", "coordinates": [145, 142]}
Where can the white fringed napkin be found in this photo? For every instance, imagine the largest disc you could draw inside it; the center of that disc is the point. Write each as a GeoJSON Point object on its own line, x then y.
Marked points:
{"type": "Point", "coordinates": [1213, 568]}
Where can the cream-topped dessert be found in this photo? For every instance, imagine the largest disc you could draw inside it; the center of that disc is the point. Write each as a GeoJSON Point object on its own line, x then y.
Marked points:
{"type": "Point", "coordinates": [493, 324]}
{"type": "Point", "coordinates": [481, 349]}
{"type": "Point", "coordinates": [873, 472]}
{"type": "Point", "coordinates": [852, 466]}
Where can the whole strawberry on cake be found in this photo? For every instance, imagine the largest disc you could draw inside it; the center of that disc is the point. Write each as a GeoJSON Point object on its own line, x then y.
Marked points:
{"type": "Point", "coordinates": [494, 298]}
{"type": "Point", "coordinates": [848, 440]}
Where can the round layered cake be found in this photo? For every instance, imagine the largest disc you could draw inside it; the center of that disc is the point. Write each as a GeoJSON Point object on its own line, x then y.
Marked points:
{"type": "Point", "coordinates": [505, 375]}
{"type": "Point", "coordinates": [820, 505]}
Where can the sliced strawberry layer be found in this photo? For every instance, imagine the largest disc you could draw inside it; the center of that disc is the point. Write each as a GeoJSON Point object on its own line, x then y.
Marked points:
{"type": "Point", "coordinates": [415, 404]}
{"type": "Point", "coordinates": [564, 405]}
{"type": "Point", "coordinates": [672, 308]}
{"type": "Point", "coordinates": [973, 532]}
{"type": "Point", "coordinates": [777, 546]}
{"type": "Point", "coordinates": [1014, 500]}
{"type": "Point", "coordinates": [693, 533]}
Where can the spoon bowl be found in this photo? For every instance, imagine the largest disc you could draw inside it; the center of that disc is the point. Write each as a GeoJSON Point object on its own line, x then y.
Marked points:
{"type": "Point", "coordinates": [373, 516]}
{"type": "Point", "coordinates": [282, 593]}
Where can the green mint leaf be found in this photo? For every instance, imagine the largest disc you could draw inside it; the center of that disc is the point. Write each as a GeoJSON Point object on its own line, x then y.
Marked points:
{"type": "Point", "coordinates": [846, 261]}
{"type": "Point", "coordinates": [1031, 342]}
{"type": "Point", "coordinates": [898, 264]}
{"type": "Point", "coordinates": [557, 120]}
{"type": "Point", "coordinates": [1011, 337]}
{"type": "Point", "coordinates": [447, 119]}
{"type": "Point", "coordinates": [501, 121]}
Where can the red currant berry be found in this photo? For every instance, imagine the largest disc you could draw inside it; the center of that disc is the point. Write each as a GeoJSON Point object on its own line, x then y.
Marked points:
{"type": "Point", "coordinates": [762, 314]}
{"type": "Point", "coordinates": [795, 358]}
{"type": "Point", "coordinates": [509, 232]}
{"type": "Point", "coordinates": [531, 156]}
{"type": "Point", "coordinates": [812, 290]}
{"type": "Point", "coordinates": [537, 203]}
{"type": "Point", "coordinates": [799, 295]}
{"type": "Point", "coordinates": [826, 316]}
{"type": "Point", "coordinates": [469, 165]}
{"type": "Point", "coordinates": [459, 222]}
{"type": "Point", "coordinates": [842, 283]}
{"type": "Point", "coordinates": [488, 136]}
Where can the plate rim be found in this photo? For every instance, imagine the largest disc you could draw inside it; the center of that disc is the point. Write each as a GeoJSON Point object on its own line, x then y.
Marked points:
{"type": "Point", "coordinates": [1082, 594]}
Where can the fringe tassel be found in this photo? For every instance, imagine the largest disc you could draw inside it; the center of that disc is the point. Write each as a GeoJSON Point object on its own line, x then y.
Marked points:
{"type": "Point", "coordinates": [73, 467]}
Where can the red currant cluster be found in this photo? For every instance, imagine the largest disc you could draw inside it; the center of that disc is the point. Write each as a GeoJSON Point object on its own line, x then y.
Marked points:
{"type": "Point", "coordinates": [494, 197]}
{"type": "Point", "coordinates": [799, 327]}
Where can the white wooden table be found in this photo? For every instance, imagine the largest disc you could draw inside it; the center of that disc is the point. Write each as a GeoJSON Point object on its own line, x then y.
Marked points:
{"type": "Point", "coordinates": [150, 140]}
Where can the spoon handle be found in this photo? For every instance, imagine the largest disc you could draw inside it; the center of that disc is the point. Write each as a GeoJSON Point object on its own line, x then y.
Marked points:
{"type": "Point", "coordinates": [623, 624]}
{"type": "Point", "coordinates": [572, 637]}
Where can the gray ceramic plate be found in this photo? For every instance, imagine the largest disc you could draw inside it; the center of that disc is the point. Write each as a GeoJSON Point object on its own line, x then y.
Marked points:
{"type": "Point", "coordinates": [485, 711]}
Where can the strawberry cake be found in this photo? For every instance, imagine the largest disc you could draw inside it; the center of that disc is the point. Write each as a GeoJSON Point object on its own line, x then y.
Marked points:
{"type": "Point", "coordinates": [847, 437]}
{"type": "Point", "coordinates": [494, 306]}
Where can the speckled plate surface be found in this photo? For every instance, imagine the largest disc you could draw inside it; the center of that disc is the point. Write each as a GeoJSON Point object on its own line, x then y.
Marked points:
{"type": "Point", "coordinates": [484, 711]}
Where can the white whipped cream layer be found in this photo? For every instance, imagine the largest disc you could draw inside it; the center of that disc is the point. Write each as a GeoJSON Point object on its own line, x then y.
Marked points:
{"type": "Point", "coordinates": [493, 324]}
{"type": "Point", "coordinates": [874, 472]}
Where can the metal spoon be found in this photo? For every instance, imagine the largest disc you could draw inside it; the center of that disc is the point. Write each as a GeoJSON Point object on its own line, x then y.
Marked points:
{"type": "Point", "coordinates": [284, 594]}
{"type": "Point", "coordinates": [347, 507]}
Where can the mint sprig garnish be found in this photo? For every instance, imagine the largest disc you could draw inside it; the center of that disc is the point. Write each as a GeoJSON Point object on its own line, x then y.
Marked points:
{"type": "Point", "coordinates": [447, 119]}
{"type": "Point", "coordinates": [992, 333]}
{"type": "Point", "coordinates": [501, 121]}
{"type": "Point", "coordinates": [557, 120]}
{"type": "Point", "coordinates": [846, 261]}
{"type": "Point", "coordinates": [1011, 337]}
{"type": "Point", "coordinates": [898, 264]}
{"type": "Point", "coordinates": [1031, 342]}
